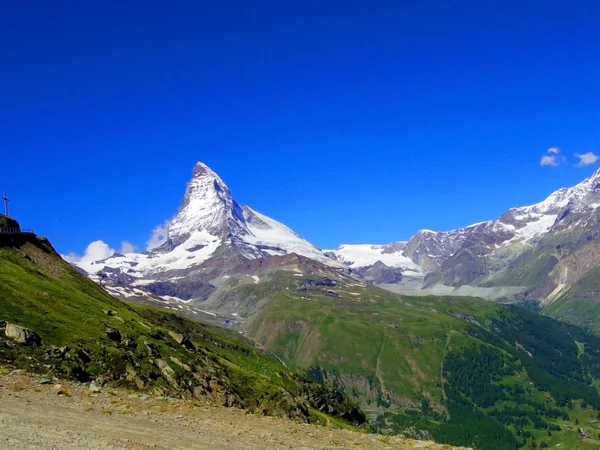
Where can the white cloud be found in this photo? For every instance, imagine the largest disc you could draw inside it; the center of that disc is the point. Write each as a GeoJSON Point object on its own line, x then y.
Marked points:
{"type": "Point", "coordinates": [96, 251]}
{"type": "Point", "coordinates": [127, 247]}
{"type": "Point", "coordinates": [549, 160]}
{"type": "Point", "coordinates": [554, 150]}
{"type": "Point", "coordinates": [159, 236]}
{"type": "Point", "coordinates": [585, 159]}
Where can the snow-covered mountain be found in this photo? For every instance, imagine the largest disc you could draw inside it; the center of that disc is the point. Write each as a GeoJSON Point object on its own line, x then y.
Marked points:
{"type": "Point", "coordinates": [209, 224]}
{"type": "Point", "coordinates": [534, 251]}
{"type": "Point", "coordinates": [531, 239]}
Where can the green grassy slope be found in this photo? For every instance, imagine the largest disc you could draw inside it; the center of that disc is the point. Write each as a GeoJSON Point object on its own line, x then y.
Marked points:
{"type": "Point", "coordinates": [38, 290]}
{"type": "Point", "coordinates": [460, 370]}
{"type": "Point", "coordinates": [580, 305]}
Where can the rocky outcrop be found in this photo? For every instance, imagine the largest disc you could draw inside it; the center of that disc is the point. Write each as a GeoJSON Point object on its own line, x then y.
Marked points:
{"type": "Point", "coordinates": [113, 334]}
{"type": "Point", "coordinates": [381, 273]}
{"type": "Point", "coordinates": [22, 335]}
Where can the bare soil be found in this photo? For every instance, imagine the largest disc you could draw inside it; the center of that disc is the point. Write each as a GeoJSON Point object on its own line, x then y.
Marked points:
{"type": "Point", "coordinates": [62, 415]}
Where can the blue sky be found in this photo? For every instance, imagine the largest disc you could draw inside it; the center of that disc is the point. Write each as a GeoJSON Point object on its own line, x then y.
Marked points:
{"type": "Point", "coordinates": [351, 122]}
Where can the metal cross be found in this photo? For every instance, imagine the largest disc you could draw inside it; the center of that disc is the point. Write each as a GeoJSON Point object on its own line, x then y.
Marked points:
{"type": "Point", "coordinates": [6, 200]}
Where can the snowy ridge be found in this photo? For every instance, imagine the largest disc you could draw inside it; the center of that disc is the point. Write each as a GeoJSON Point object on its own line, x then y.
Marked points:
{"type": "Point", "coordinates": [364, 255]}
{"type": "Point", "coordinates": [427, 250]}
{"type": "Point", "coordinates": [275, 238]}
{"type": "Point", "coordinates": [209, 219]}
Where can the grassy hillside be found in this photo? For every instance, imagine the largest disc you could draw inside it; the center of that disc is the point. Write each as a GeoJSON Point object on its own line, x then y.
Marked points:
{"type": "Point", "coordinates": [86, 334]}
{"type": "Point", "coordinates": [580, 305]}
{"type": "Point", "coordinates": [460, 370]}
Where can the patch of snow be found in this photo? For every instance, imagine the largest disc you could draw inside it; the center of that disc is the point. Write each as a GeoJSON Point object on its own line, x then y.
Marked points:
{"type": "Point", "coordinates": [535, 228]}
{"type": "Point", "coordinates": [278, 238]}
{"type": "Point", "coordinates": [363, 255]}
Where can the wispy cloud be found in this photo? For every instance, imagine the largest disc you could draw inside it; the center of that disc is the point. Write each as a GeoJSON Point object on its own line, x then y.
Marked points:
{"type": "Point", "coordinates": [585, 159]}
{"type": "Point", "coordinates": [96, 251]}
{"type": "Point", "coordinates": [127, 247]}
{"type": "Point", "coordinates": [552, 158]}
{"type": "Point", "coordinates": [158, 237]}
{"type": "Point", "coordinates": [549, 160]}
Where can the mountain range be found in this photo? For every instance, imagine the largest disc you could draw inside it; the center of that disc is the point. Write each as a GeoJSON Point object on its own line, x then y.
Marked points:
{"type": "Point", "coordinates": [534, 254]}
{"type": "Point", "coordinates": [457, 369]}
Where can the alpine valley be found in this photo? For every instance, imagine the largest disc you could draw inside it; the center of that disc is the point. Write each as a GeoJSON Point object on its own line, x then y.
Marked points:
{"type": "Point", "coordinates": [403, 336]}
{"type": "Point", "coordinates": [406, 329]}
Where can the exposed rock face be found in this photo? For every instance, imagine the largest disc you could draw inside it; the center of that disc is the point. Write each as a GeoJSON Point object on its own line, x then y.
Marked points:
{"type": "Point", "coordinates": [380, 273]}
{"type": "Point", "coordinates": [22, 335]}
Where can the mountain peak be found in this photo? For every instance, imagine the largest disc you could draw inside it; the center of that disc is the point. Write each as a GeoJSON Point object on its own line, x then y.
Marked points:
{"type": "Point", "coordinates": [201, 170]}
{"type": "Point", "coordinates": [207, 207]}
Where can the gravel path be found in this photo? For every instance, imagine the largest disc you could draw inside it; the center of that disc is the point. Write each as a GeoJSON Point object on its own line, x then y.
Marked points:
{"type": "Point", "coordinates": [36, 416]}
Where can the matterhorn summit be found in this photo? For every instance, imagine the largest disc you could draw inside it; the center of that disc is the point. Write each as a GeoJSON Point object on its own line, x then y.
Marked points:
{"type": "Point", "coordinates": [209, 225]}
{"type": "Point", "coordinates": [207, 211]}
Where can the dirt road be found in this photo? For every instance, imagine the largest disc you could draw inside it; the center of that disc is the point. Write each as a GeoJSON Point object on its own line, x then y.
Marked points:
{"type": "Point", "coordinates": [37, 416]}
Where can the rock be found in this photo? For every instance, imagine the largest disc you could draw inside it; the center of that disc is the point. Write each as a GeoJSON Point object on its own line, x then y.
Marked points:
{"type": "Point", "coordinates": [108, 312]}
{"type": "Point", "coordinates": [97, 385]}
{"type": "Point", "coordinates": [22, 335]}
{"type": "Point", "coordinates": [44, 381]}
{"type": "Point", "coordinates": [188, 345]}
{"type": "Point", "coordinates": [58, 353]}
{"type": "Point", "coordinates": [176, 337]}
{"type": "Point", "coordinates": [59, 389]}
{"type": "Point", "coordinates": [152, 348]}
{"type": "Point", "coordinates": [113, 334]}
{"type": "Point", "coordinates": [183, 340]}
{"type": "Point", "coordinates": [84, 355]}
{"type": "Point", "coordinates": [167, 371]}
{"type": "Point", "coordinates": [180, 364]}
{"type": "Point", "coordinates": [381, 273]}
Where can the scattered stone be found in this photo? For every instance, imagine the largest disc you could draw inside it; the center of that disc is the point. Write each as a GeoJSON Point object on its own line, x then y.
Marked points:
{"type": "Point", "coordinates": [59, 389]}
{"type": "Point", "coordinates": [84, 355]}
{"type": "Point", "coordinates": [108, 312]}
{"type": "Point", "coordinates": [152, 348]}
{"type": "Point", "coordinates": [113, 334]}
{"type": "Point", "coordinates": [183, 340]}
{"type": "Point", "coordinates": [176, 337]}
{"type": "Point", "coordinates": [167, 371]}
{"type": "Point", "coordinates": [97, 385]}
{"type": "Point", "coordinates": [22, 335]}
{"type": "Point", "coordinates": [44, 381]}
{"type": "Point", "coordinates": [180, 364]}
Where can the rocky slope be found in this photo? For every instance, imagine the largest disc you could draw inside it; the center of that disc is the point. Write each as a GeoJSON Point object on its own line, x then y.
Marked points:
{"type": "Point", "coordinates": [57, 323]}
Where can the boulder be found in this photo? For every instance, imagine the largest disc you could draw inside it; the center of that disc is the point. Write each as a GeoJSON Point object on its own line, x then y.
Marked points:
{"type": "Point", "coordinates": [177, 337]}
{"type": "Point", "coordinates": [97, 385]}
{"type": "Point", "coordinates": [183, 340]}
{"type": "Point", "coordinates": [113, 334]}
{"type": "Point", "coordinates": [59, 389]}
{"type": "Point", "coordinates": [22, 335]}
